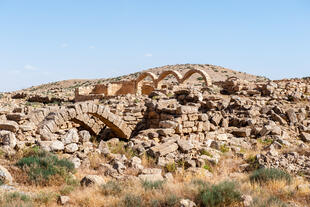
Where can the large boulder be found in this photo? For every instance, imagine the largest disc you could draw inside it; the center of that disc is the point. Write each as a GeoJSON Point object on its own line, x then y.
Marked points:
{"type": "Point", "coordinates": [84, 136]}
{"type": "Point", "coordinates": [9, 126]}
{"type": "Point", "coordinates": [57, 146]}
{"type": "Point", "coordinates": [5, 176]}
{"type": "Point", "coordinates": [71, 148]}
{"type": "Point", "coordinates": [71, 136]}
{"type": "Point", "coordinates": [151, 175]}
{"type": "Point", "coordinates": [305, 136]}
{"type": "Point", "coordinates": [92, 180]}
{"type": "Point", "coordinates": [7, 138]}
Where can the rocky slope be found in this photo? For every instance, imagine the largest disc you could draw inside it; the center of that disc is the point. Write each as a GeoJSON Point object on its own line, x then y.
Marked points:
{"type": "Point", "coordinates": [229, 130]}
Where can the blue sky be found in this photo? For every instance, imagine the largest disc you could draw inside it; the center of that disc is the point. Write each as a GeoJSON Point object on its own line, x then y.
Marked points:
{"type": "Point", "coordinates": [45, 41]}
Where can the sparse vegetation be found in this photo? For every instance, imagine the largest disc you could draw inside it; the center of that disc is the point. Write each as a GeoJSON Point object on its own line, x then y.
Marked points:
{"type": "Point", "coordinates": [171, 167]}
{"type": "Point", "coordinates": [222, 194]}
{"type": "Point", "coordinates": [111, 188]}
{"type": "Point", "coordinates": [205, 152]}
{"type": "Point", "coordinates": [224, 148]}
{"type": "Point", "coordinates": [184, 154]}
{"type": "Point", "coordinates": [208, 167]}
{"type": "Point", "coordinates": [266, 141]}
{"type": "Point", "coordinates": [131, 200]}
{"type": "Point", "coordinates": [41, 166]}
{"type": "Point", "coordinates": [271, 201]}
{"type": "Point", "coordinates": [151, 185]}
{"type": "Point", "coordinates": [15, 199]}
{"type": "Point", "coordinates": [264, 175]}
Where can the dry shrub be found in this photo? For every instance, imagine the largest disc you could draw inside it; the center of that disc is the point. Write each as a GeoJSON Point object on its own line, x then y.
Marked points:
{"type": "Point", "coordinates": [44, 168]}
{"type": "Point", "coordinates": [148, 161]}
{"type": "Point", "coordinates": [95, 160]}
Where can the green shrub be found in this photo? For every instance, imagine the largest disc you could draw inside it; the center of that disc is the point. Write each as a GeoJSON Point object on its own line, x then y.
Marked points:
{"type": "Point", "coordinates": [224, 148]}
{"type": "Point", "coordinates": [41, 166]}
{"type": "Point", "coordinates": [171, 167]}
{"type": "Point", "coordinates": [66, 190]}
{"type": "Point", "coordinates": [71, 181]}
{"type": "Point", "coordinates": [205, 152]}
{"type": "Point", "coordinates": [272, 201]}
{"type": "Point", "coordinates": [15, 199]}
{"type": "Point", "coordinates": [31, 151]}
{"type": "Point", "coordinates": [156, 203]}
{"type": "Point", "coordinates": [131, 200]}
{"type": "Point", "coordinates": [266, 141]}
{"type": "Point", "coordinates": [111, 188]}
{"type": "Point", "coordinates": [222, 194]}
{"type": "Point", "coordinates": [150, 185]}
{"type": "Point", "coordinates": [199, 182]}
{"type": "Point", "coordinates": [264, 175]}
{"type": "Point", "coordinates": [253, 163]}
{"type": "Point", "coordinates": [207, 167]}
{"type": "Point", "coordinates": [170, 200]}
{"type": "Point", "coordinates": [44, 197]}
{"type": "Point", "coordinates": [119, 148]}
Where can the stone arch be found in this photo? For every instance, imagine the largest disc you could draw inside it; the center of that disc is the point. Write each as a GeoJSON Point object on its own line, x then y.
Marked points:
{"type": "Point", "coordinates": [203, 73]}
{"type": "Point", "coordinates": [80, 113]}
{"type": "Point", "coordinates": [164, 74]}
{"type": "Point", "coordinates": [142, 77]}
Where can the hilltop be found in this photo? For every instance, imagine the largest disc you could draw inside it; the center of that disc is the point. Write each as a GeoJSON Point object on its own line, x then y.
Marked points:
{"type": "Point", "coordinates": [217, 73]}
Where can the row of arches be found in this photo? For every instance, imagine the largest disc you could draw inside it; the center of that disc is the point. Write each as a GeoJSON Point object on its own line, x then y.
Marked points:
{"type": "Point", "coordinates": [179, 77]}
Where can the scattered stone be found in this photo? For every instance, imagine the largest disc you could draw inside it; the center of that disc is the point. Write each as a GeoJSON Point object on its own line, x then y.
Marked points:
{"type": "Point", "coordinates": [92, 180]}
{"type": "Point", "coordinates": [187, 203]}
{"type": "Point", "coordinates": [62, 200]}
{"type": "Point", "coordinates": [5, 176]}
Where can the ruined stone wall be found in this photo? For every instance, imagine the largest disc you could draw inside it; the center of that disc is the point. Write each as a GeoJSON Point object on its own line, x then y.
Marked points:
{"type": "Point", "coordinates": [138, 87]}
{"type": "Point", "coordinates": [85, 97]}
{"type": "Point", "coordinates": [146, 89]}
{"type": "Point", "coordinates": [100, 89]}
{"type": "Point", "coordinates": [121, 88]}
{"type": "Point", "coordinates": [172, 118]}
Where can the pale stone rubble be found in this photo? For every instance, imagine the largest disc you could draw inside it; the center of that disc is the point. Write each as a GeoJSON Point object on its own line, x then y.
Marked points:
{"type": "Point", "coordinates": [191, 127]}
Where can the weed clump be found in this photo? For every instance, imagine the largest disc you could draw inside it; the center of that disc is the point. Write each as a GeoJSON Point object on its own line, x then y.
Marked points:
{"type": "Point", "coordinates": [222, 194]}
{"type": "Point", "coordinates": [171, 167]}
{"type": "Point", "coordinates": [150, 185]}
{"type": "Point", "coordinates": [15, 199]}
{"type": "Point", "coordinates": [271, 201]}
{"type": "Point", "coordinates": [40, 166]}
{"type": "Point", "coordinates": [111, 188]}
{"type": "Point", "coordinates": [131, 200]}
{"type": "Point", "coordinates": [224, 148]}
{"type": "Point", "coordinates": [264, 175]}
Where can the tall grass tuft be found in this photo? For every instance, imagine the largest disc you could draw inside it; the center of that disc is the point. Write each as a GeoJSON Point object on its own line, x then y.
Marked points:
{"type": "Point", "coordinates": [264, 175]}
{"type": "Point", "coordinates": [222, 194]}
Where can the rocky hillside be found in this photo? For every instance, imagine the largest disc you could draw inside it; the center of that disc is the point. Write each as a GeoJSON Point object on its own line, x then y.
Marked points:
{"type": "Point", "coordinates": [217, 73]}
{"type": "Point", "coordinates": [243, 141]}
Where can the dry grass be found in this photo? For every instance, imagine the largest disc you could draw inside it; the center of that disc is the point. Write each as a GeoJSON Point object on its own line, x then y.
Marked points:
{"type": "Point", "coordinates": [185, 185]}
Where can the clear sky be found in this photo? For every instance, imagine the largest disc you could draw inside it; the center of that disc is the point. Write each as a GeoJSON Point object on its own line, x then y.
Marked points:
{"type": "Point", "coordinates": [48, 40]}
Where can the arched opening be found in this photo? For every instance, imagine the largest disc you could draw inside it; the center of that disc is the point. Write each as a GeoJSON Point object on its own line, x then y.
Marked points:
{"type": "Point", "coordinates": [204, 76]}
{"type": "Point", "coordinates": [145, 83]}
{"type": "Point", "coordinates": [166, 75]}
{"type": "Point", "coordinates": [87, 116]}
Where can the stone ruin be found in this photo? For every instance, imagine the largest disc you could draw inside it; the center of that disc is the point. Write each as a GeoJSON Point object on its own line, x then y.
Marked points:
{"type": "Point", "coordinates": [191, 126]}
{"type": "Point", "coordinates": [138, 86]}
